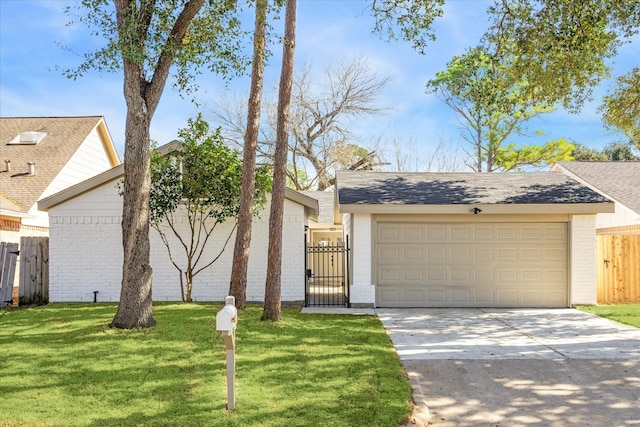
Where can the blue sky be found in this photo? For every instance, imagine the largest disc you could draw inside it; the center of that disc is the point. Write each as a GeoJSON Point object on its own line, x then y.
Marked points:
{"type": "Point", "coordinates": [328, 30]}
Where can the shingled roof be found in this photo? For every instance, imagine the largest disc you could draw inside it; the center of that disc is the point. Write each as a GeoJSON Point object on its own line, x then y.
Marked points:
{"type": "Point", "coordinates": [325, 204]}
{"type": "Point", "coordinates": [64, 135]}
{"type": "Point", "coordinates": [429, 189]}
{"type": "Point", "coordinates": [617, 180]}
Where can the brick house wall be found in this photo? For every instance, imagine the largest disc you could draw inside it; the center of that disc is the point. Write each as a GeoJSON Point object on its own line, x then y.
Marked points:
{"type": "Point", "coordinates": [86, 254]}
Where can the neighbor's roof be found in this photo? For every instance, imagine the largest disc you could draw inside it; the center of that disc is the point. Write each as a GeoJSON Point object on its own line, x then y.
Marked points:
{"type": "Point", "coordinates": [384, 192]}
{"type": "Point", "coordinates": [116, 173]}
{"type": "Point", "coordinates": [64, 135]}
{"type": "Point", "coordinates": [325, 204]}
{"type": "Point", "coordinates": [617, 180]}
{"type": "Point", "coordinates": [7, 207]}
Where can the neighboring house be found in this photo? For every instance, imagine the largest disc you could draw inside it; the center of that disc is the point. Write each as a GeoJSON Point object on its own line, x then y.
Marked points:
{"type": "Point", "coordinates": [619, 181]}
{"type": "Point", "coordinates": [85, 248]}
{"type": "Point", "coordinates": [469, 239]}
{"type": "Point", "coordinates": [40, 156]}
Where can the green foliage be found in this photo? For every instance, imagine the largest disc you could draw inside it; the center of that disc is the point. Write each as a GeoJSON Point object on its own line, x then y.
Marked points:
{"type": "Point", "coordinates": [612, 152]}
{"type": "Point", "coordinates": [200, 179]}
{"type": "Point", "coordinates": [204, 174]}
{"type": "Point", "coordinates": [213, 39]}
{"type": "Point", "coordinates": [513, 158]}
{"type": "Point", "coordinates": [409, 20]}
{"type": "Point", "coordinates": [560, 47]}
{"type": "Point", "coordinates": [582, 153]}
{"type": "Point", "coordinates": [306, 370]}
{"type": "Point", "coordinates": [492, 107]}
{"type": "Point", "coordinates": [297, 178]}
{"type": "Point", "coordinates": [621, 107]}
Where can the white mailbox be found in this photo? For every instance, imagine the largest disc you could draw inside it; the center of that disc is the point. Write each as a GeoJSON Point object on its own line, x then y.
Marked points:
{"type": "Point", "coordinates": [226, 321]}
{"type": "Point", "coordinates": [227, 318]}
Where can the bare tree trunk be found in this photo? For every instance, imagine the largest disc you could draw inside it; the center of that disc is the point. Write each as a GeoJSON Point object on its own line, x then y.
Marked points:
{"type": "Point", "coordinates": [135, 308]}
{"type": "Point", "coordinates": [238, 285]}
{"type": "Point", "coordinates": [272, 293]}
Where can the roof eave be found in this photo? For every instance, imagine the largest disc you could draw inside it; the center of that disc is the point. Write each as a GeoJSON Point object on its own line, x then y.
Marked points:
{"type": "Point", "coordinates": [548, 208]}
{"type": "Point", "coordinates": [107, 143]}
{"type": "Point", "coordinates": [311, 205]}
{"type": "Point", "coordinates": [81, 188]}
{"type": "Point", "coordinates": [13, 214]}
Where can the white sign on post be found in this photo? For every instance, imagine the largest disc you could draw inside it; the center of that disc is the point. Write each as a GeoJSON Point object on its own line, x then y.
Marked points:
{"type": "Point", "coordinates": [226, 321]}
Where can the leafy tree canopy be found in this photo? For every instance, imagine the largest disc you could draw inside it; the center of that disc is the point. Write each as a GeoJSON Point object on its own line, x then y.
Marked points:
{"type": "Point", "coordinates": [408, 20]}
{"type": "Point", "coordinates": [493, 109]}
{"type": "Point", "coordinates": [621, 107]}
{"type": "Point", "coordinates": [612, 152]}
{"type": "Point", "coordinates": [560, 47]}
{"type": "Point", "coordinates": [203, 173]}
{"type": "Point", "coordinates": [146, 36]}
{"type": "Point", "coordinates": [201, 180]}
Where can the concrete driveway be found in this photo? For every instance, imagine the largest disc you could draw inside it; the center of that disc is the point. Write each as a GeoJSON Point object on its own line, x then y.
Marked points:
{"type": "Point", "coordinates": [518, 367]}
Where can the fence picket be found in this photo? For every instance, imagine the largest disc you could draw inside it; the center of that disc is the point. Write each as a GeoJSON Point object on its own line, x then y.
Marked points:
{"type": "Point", "coordinates": [34, 270]}
{"type": "Point", "coordinates": [618, 268]}
{"type": "Point", "coordinates": [8, 260]}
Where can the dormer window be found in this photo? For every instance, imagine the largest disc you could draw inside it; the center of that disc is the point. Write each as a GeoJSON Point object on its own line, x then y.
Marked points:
{"type": "Point", "coordinates": [28, 138]}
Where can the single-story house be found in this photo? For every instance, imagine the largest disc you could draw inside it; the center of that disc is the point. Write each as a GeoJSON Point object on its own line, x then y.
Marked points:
{"type": "Point", "coordinates": [44, 155]}
{"type": "Point", "coordinates": [85, 248]}
{"type": "Point", "coordinates": [469, 239]}
{"type": "Point", "coordinates": [619, 182]}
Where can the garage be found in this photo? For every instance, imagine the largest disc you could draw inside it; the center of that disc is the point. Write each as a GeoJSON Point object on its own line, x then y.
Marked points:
{"type": "Point", "coordinates": [422, 264]}
{"type": "Point", "coordinates": [469, 239]}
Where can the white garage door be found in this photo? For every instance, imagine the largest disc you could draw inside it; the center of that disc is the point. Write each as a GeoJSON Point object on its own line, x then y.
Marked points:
{"type": "Point", "coordinates": [471, 265]}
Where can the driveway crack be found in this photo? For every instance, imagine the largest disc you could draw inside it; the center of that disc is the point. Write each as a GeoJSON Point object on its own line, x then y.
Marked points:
{"type": "Point", "coordinates": [523, 332]}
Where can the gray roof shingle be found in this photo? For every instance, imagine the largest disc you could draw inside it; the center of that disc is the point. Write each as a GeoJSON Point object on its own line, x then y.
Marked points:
{"type": "Point", "coordinates": [461, 188]}
{"type": "Point", "coordinates": [325, 203]}
{"type": "Point", "coordinates": [618, 180]}
{"type": "Point", "coordinates": [64, 137]}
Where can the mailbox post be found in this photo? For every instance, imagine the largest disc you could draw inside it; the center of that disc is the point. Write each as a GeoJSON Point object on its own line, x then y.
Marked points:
{"type": "Point", "coordinates": [226, 321]}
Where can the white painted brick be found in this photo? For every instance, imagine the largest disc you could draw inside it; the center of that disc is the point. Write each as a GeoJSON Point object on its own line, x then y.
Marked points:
{"type": "Point", "coordinates": [86, 254]}
{"type": "Point", "coordinates": [362, 290]}
{"type": "Point", "coordinates": [583, 259]}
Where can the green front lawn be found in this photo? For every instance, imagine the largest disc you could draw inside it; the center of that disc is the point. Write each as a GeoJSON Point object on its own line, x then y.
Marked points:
{"type": "Point", "coordinates": [623, 313]}
{"type": "Point", "coordinates": [61, 365]}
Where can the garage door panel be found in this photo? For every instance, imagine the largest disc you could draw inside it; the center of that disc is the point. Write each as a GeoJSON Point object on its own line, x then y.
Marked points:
{"type": "Point", "coordinates": [437, 233]}
{"type": "Point", "coordinates": [388, 275]}
{"type": "Point", "coordinates": [507, 254]}
{"type": "Point", "coordinates": [413, 295]}
{"type": "Point", "coordinates": [436, 274]}
{"type": "Point", "coordinates": [555, 254]}
{"type": "Point", "coordinates": [457, 265]}
{"type": "Point", "coordinates": [413, 275]}
{"type": "Point", "coordinates": [506, 233]}
{"type": "Point", "coordinates": [484, 297]}
{"type": "Point", "coordinates": [436, 253]}
{"type": "Point", "coordinates": [459, 233]}
{"type": "Point", "coordinates": [459, 296]}
{"type": "Point", "coordinates": [509, 276]}
{"type": "Point", "coordinates": [461, 274]}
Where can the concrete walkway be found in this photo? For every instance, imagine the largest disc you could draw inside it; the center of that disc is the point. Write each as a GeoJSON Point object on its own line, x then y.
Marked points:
{"type": "Point", "coordinates": [517, 367]}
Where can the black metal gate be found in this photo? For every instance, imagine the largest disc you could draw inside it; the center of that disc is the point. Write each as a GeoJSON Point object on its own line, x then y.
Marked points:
{"type": "Point", "coordinates": [327, 275]}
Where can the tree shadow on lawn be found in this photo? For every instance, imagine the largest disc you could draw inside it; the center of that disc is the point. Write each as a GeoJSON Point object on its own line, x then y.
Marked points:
{"type": "Point", "coordinates": [75, 370]}
{"type": "Point", "coordinates": [86, 369]}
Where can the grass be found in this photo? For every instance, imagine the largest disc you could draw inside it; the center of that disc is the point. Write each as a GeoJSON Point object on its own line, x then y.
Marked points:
{"type": "Point", "coordinates": [623, 313]}
{"type": "Point", "coordinates": [61, 365]}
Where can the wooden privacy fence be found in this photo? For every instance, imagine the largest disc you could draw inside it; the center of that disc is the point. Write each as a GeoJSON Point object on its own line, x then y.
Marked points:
{"type": "Point", "coordinates": [618, 268]}
{"type": "Point", "coordinates": [34, 270]}
{"type": "Point", "coordinates": [8, 260]}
